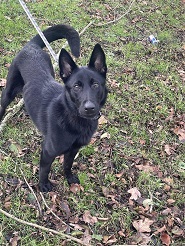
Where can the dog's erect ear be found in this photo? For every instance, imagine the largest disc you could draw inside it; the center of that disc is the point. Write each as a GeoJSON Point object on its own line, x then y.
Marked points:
{"type": "Point", "coordinates": [98, 61]}
{"type": "Point", "coordinates": [66, 65]}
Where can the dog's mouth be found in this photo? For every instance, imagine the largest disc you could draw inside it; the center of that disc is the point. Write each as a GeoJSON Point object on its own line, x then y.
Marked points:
{"type": "Point", "coordinates": [91, 116]}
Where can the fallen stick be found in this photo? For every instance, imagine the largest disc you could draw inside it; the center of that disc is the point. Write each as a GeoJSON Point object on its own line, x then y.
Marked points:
{"type": "Point", "coordinates": [63, 235]}
{"type": "Point", "coordinates": [32, 191]}
{"type": "Point", "coordinates": [116, 20]}
{"type": "Point", "coordinates": [16, 108]}
{"type": "Point", "coordinates": [51, 211]}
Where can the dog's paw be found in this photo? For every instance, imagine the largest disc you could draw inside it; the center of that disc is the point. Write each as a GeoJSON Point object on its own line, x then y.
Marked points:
{"type": "Point", "coordinates": [45, 187]}
{"type": "Point", "coordinates": [73, 179]}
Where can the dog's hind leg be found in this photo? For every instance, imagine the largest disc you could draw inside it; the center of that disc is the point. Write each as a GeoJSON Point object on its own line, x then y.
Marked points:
{"type": "Point", "coordinates": [68, 162]}
{"type": "Point", "coordinates": [14, 86]}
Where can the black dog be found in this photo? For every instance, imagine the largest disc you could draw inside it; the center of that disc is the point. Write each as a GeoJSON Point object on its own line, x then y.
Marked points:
{"type": "Point", "coordinates": [67, 116]}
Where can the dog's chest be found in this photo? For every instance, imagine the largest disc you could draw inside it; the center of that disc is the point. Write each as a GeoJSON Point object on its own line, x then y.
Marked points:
{"type": "Point", "coordinates": [85, 133]}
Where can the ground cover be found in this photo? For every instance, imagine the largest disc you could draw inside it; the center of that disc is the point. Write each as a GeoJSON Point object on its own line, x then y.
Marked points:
{"type": "Point", "coordinates": [132, 173]}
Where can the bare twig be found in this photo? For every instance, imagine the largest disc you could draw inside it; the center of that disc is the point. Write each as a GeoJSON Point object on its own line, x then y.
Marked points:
{"type": "Point", "coordinates": [86, 27]}
{"type": "Point", "coordinates": [63, 235]}
{"type": "Point", "coordinates": [116, 20]}
{"type": "Point", "coordinates": [58, 218]}
{"type": "Point", "coordinates": [16, 108]}
{"type": "Point", "coordinates": [32, 191]}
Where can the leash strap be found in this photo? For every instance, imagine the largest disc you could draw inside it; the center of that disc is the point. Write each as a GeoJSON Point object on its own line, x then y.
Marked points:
{"type": "Point", "coordinates": [38, 30]}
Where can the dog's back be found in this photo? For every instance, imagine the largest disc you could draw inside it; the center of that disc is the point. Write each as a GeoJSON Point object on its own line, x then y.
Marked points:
{"type": "Point", "coordinates": [32, 58]}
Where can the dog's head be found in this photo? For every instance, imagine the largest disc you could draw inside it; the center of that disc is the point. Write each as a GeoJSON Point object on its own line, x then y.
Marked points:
{"type": "Point", "coordinates": [86, 86]}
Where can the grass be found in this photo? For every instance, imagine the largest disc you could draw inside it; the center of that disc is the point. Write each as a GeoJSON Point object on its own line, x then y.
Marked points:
{"type": "Point", "coordinates": [146, 87]}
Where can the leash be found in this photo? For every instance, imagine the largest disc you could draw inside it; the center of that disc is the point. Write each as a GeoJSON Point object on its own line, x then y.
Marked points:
{"type": "Point", "coordinates": [38, 30]}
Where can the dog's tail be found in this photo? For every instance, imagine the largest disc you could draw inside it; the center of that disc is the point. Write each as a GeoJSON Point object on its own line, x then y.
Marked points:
{"type": "Point", "coordinates": [58, 32]}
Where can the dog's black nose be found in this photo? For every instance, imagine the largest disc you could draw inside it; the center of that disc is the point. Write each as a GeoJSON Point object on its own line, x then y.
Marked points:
{"type": "Point", "coordinates": [89, 106]}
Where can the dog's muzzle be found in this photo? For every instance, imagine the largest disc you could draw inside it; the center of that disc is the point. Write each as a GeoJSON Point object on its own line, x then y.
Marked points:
{"type": "Point", "coordinates": [89, 111]}
{"type": "Point", "coordinates": [88, 117]}
{"type": "Point", "coordinates": [97, 116]}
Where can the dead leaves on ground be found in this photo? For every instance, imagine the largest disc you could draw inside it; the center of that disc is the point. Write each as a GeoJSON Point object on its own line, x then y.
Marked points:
{"type": "Point", "coordinates": [179, 124]}
{"type": "Point", "coordinates": [147, 225]}
{"type": "Point", "coordinates": [148, 219]}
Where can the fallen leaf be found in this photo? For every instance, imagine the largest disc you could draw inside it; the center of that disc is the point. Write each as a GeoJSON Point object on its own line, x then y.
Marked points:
{"type": "Point", "coordinates": [105, 135]}
{"type": "Point", "coordinates": [53, 196]}
{"type": "Point", "coordinates": [143, 225]}
{"type": "Point", "coordinates": [167, 149]}
{"type": "Point", "coordinates": [147, 202]}
{"type": "Point", "coordinates": [135, 194]}
{"type": "Point", "coordinates": [7, 205]}
{"type": "Point", "coordinates": [140, 239]}
{"type": "Point", "coordinates": [170, 201]}
{"type": "Point", "coordinates": [88, 218]}
{"type": "Point", "coordinates": [2, 82]}
{"type": "Point", "coordinates": [168, 180]}
{"type": "Point", "coordinates": [102, 120]}
{"type": "Point", "coordinates": [159, 107]}
{"type": "Point", "coordinates": [77, 227]}
{"type": "Point", "coordinates": [166, 211]}
{"type": "Point", "coordinates": [86, 237]}
{"type": "Point", "coordinates": [7, 65]}
{"type": "Point", "coordinates": [142, 142]}
{"type": "Point", "coordinates": [109, 239]}
{"type": "Point", "coordinates": [171, 115]}
{"type": "Point", "coordinates": [121, 233]}
{"type": "Point", "coordinates": [105, 191]}
{"type": "Point", "coordinates": [180, 133]}
{"type": "Point", "coordinates": [177, 231]}
{"type": "Point", "coordinates": [119, 175]}
{"type": "Point", "coordinates": [170, 221]}
{"type": "Point", "coordinates": [75, 188]}
{"type": "Point", "coordinates": [65, 208]}
{"type": "Point", "coordinates": [165, 238]}
{"type": "Point", "coordinates": [145, 239]}
{"type": "Point", "coordinates": [146, 168]}
{"type": "Point", "coordinates": [90, 175]}
{"type": "Point", "coordinates": [162, 229]}
{"type": "Point", "coordinates": [113, 83]}
{"type": "Point", "coordinates": [93, 140]}
{"type": "Point", "coordinates": [14, 240]}
{"type": "Point", "coordinates": [167, 187]}
{"type": "Point", "coordinates": [61, 159]}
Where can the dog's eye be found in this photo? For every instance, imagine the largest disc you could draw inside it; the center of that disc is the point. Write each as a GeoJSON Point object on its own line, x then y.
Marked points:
{"type": "Point", "coordinates": [95, 85]}
{"type": "Point", "coordinates": [78, 86]}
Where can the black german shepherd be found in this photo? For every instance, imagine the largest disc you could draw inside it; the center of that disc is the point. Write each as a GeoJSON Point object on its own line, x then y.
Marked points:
{"type": "Point", "coordinates": [67, 116]}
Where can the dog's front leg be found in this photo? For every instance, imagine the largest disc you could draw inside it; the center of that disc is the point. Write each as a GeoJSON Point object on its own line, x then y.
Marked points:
{"type": "Point", "coordinates": [44, 169]}
{"type": "Point", "coordinates": [68, 162]}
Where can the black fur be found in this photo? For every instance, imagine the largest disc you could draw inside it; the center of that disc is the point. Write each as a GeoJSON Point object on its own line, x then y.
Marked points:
{"type": "Point", "coordinates": [67, 116]}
